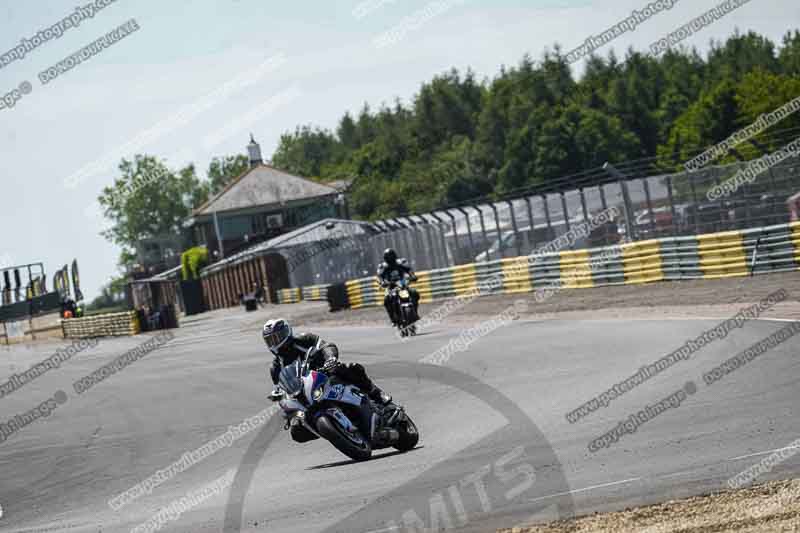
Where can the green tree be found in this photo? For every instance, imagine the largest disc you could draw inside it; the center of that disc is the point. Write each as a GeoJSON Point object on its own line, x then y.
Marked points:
{"type": "Point", "coordinates": [634, 97]}
{"type": "Point", "coordinates": [192, 260]}
{"type": "Point", "coordinates": [790, 54]}
{"type": "Point", "coordinates": [460, 138]}
{"type": "Point", "coordinates": [148, 200]}
{"type": "Point", "coordinates": [223, 170]}
{"type": "Point", "coordinates": [445, 107]}
{"type": "Point", "coordinates": [111, 295]}
{"type": "Point", "coordinates": [347, 132]}
{"type": "Point", "coordinates": [305, 151]}
{"type": "Point", "coordinates": [711, 119]}
{"type": "Point", "coordinates": [763, 92]}
{"type": "Point", "coordinates": [740, 54]}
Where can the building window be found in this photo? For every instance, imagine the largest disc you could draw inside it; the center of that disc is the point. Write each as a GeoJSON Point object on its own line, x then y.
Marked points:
{"type": "Point", "coordinates": [267, 222]}
{"type": "Point", "coordinates": [311, 213]}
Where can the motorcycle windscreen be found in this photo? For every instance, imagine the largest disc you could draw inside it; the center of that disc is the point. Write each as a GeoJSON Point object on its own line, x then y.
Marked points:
{"type": "Point", "coordinates": [289, 379]}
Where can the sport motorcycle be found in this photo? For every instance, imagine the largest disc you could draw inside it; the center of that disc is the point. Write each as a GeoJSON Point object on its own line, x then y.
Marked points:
{"type": "Point", "coordinates": [401, 299]}
{"type": "Point", "coordinates": [317, 405]}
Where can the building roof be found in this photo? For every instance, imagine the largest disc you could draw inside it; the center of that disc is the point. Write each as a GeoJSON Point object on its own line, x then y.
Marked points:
{"type": "Point", "coordinates": [340, 185]}
{"type": "Point", "coordinates": [316, 231]}
{"type": "Point", "coordinates": [172, 274]}
{"type": "Point", "coordinates": [260, 186]}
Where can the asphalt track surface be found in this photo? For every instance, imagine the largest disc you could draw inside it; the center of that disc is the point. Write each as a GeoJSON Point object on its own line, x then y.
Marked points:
{"type": "Point", "coordinates": [491, 420]}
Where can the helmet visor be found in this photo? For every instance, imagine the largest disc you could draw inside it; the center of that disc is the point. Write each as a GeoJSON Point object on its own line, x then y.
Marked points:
{"type": "Point", "coordinates": [277, 337]}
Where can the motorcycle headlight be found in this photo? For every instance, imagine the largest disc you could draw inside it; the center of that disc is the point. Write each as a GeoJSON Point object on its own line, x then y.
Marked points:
{"type": "Point", "coordinates": [317, 394]}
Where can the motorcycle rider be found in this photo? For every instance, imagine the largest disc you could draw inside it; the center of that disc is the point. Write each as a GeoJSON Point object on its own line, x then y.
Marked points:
{"type": "Point", "coordinates": [390, 272]}
{"type": "Point", "coordinates": [287, 347]}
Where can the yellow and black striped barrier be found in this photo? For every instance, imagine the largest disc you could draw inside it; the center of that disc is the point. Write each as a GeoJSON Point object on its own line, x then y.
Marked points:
{"type": "Point", "coordinates": [290, 296]}
{"type": "Point", "coordinates": [315, 293]}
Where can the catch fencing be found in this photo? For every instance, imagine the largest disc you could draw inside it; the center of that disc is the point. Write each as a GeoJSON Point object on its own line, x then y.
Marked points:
{"type": "Point", "coordinates": [472, 241]}
{"type": "Point", "coordinates": [655, 207]}
{"type": "Point", "coordinates": [737, 253]}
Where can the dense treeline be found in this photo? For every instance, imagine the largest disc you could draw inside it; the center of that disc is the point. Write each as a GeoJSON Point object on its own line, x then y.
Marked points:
{"type": "Point", "coordinates": [461, 138]}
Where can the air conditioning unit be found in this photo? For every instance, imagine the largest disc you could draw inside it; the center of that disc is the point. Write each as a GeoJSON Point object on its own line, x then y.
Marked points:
{"type": "Point", "coordinates": [274, 221]}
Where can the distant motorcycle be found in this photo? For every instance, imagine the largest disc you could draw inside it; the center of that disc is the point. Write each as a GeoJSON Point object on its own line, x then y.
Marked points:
{"type": "Point", "coordinates": [315, 406]}
{"type": "Point", "coordinates": [401, 299]}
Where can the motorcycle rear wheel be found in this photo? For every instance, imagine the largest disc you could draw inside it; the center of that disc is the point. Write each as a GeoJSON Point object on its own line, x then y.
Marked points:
{"type": "Point", "coordinates": [335, 435]}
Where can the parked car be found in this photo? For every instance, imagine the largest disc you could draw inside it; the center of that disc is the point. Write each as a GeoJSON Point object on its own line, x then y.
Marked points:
{"type": "Point", "coordinates": [770, 209]}
{"type": "Point", "coordinates": [660, 217]}
{"type": "Point", "coordinates": [541, 234]}
{"type": "Point", "coordinates": [506, 246]}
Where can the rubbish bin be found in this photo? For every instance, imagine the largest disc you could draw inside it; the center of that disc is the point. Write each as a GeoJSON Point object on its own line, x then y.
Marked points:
{"type": "Point", "coordinates": [337, 297]}
{"type": "Point", "coordinates": [169, 319]}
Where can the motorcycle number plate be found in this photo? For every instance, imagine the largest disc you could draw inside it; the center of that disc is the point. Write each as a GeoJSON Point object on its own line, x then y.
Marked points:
{"type": "Point", "coordinates": [404, 294]}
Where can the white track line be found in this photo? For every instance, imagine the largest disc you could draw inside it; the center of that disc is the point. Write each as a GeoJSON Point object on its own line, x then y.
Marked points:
{"type": "Point", "coordinates": [622, 482]}
{"type": "Point", "coordinates": [395, 528]}
{"type": "Point", "coordinates": [384, 530]}
{"type": "Point", "coordinates": [750, 320]}
{"type": "Point", "coordinates": [666, 319]}
{"type": "Point", "coordinates": [576, 491]}
{"type": "Point", "coordinates": [676, 474]}
{"type": "Point", "coordinates": [764, 453]}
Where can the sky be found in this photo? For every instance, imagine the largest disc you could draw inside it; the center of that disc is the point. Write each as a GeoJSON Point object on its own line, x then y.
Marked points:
{"type": "Point", "coordinates": [196, 78]}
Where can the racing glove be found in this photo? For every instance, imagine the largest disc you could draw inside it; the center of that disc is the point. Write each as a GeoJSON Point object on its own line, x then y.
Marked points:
{"type": "Point", "coordinates": [330, 366]}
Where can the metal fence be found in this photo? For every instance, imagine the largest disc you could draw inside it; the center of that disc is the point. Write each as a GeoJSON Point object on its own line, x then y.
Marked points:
{"type": "Point", "coordinates": [669, 205]}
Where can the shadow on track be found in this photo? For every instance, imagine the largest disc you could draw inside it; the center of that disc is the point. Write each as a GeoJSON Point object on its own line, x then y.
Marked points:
{"type": "Point", "coordinates": [423, 334]}
{"type": "Point", "coordinates": [352, 462]}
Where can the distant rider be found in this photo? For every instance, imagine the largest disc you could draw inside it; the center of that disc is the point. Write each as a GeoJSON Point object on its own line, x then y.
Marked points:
{"type": "Point", "coordinates": [390, 272]}
{"type": "Point", "coordinates": [286, 348]}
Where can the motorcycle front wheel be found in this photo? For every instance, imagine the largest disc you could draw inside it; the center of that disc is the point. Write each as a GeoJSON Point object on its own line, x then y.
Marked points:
{"type": "Point", "coordinates": [358, 451]}
{"type": "Point", "coordinates": [409, 436]}
{"type": "Point", "coordinates": [408, 316]}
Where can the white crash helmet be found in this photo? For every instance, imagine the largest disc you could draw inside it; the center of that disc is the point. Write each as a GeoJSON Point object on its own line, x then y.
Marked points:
{"type": "Point", "coordinates": [275, 333]}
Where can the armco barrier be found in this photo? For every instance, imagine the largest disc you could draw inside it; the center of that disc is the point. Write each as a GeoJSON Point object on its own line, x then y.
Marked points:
{"type": "Point", "coordinates": [364, 293]}
{"type": "Point", "coordinates": [290, 296]}
{"type": "Point", "coordinates": [710, 256]}
{"type": "Point", "coordinates": [315, 293]}
{"type": "Point", "coordinates": [110, 325]}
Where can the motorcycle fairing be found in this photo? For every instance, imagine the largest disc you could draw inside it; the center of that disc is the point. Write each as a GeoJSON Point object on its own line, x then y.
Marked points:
{"type": "Point", "coordinates": [312, 382]}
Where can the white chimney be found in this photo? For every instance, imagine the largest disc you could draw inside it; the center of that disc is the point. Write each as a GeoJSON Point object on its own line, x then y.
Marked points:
{"type": "Point", "coordinates": [254, 151]}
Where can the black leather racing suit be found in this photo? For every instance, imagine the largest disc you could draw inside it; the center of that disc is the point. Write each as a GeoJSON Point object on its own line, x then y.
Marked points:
{"type": "Point", "coordinates": [297, 346]}
{"type": "Point", "coordinates": [389, 274]}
